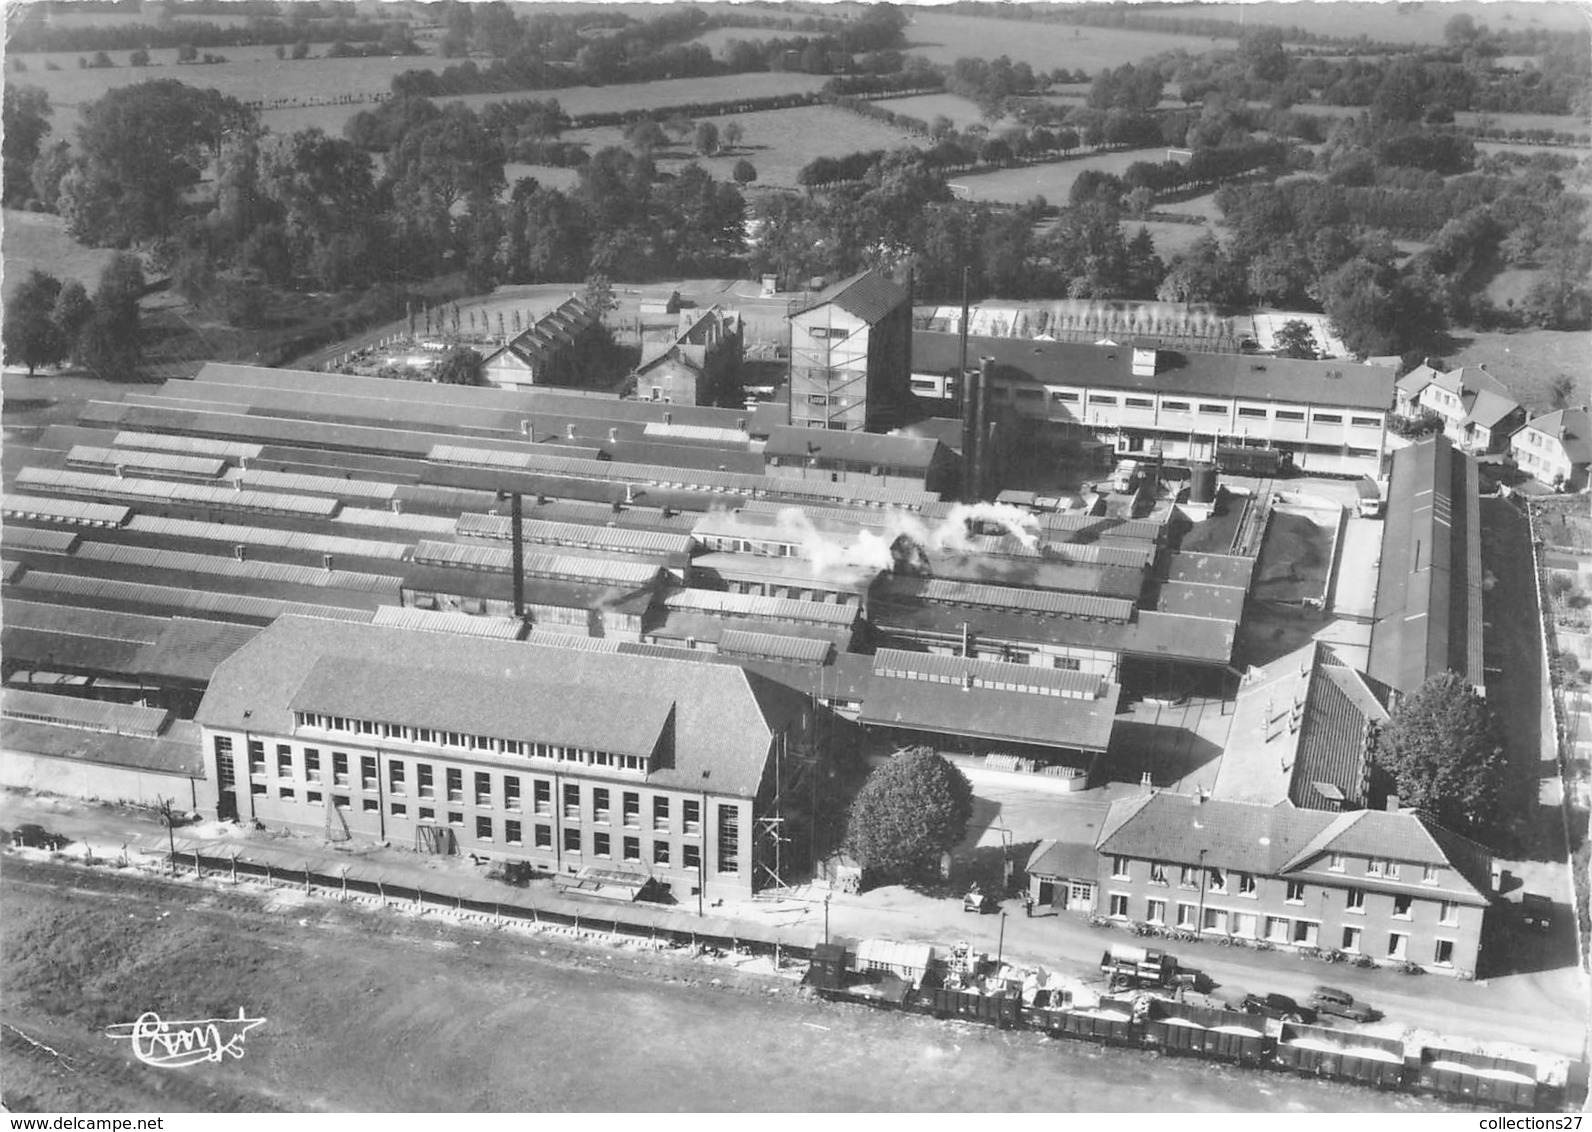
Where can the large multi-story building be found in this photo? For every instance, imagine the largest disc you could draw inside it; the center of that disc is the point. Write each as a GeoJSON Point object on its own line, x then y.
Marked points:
{"type": "Point", "coordinates": [1556, 448]}
{"type": "Point", "coordinates": [850, 347]}
{"type": "Point", "coordinates": [1394, 886]}
{"type": "Point", "coordinates": [564, 758]}
{"type": "Point", "coordinates": [1142, 398]}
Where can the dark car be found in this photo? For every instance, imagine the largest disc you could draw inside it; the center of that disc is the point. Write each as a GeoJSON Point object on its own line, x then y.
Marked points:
{"type": "Point", "coordinates": [1536, 910]}
{"type": "Point", "coordinates": [1331, 1000]}
{"type": "Point", "coordinates": [1278, 1006]}
{"type": "Point", "coordinates": [35, 836]}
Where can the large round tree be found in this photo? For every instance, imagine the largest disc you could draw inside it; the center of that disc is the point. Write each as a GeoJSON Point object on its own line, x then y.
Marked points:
{"type": "Point", "coordinates": [909, 812]}
{"type": "Point", "coordinates": [1441, 754]}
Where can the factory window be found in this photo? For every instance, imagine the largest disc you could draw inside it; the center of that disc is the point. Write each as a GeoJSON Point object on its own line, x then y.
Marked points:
{"type": "Point", "coordinates": [395, 777]}
{"type": "Point", "coordinates": [455, 784]}
{"type": "Point", "coordinates": [1247, 885]}
{"type": "Point", "coordinates": [1157, 872]}
{"type": "Point", "coordinates": [1215, 921]}
{"type": "Point", "coordinates": [1443, 953]}
{"type": "Point", "coordinates": [367, 772]}
{"type": "Point", "coordinates": [423, 772]}
{"type": "Point", "coordinates": [1366, 422]}
{"type": "Point", "coordinates": [511, 793]}
{"type": "Point", "coordinates": [1139, 402]}
{"type": "Point", "coordinates": [1186, 914]}
{"type": "Point", "coordinates": [1244, 924]}
{"type": "Point", "coordinates": [1102, 399]}
{"type": "Point", "coordinates": [660, 852]}
{"type": "Point", "coordinates": [339, 768]}
{"type": "Point", "coordinates": [1250, 411]}
{"type": "Point", "coordinates": [599, 804]}
{"type": "Point", "coordinates": [511, 831]}
{"type": "Point", "coordinates": [1329, 418]}
{"type": "Point", "coordinates": [1277, 929]}
{"type": "Point", "coordinates": [1064, 398]}
{"type": "Point", "coordinates": [1401, 907]}
{"type": "Point", "coordinates": [1290, 414]}
{"type": "Point", "coordinates": [1306, 933]}
{"type": "Point", "coordinates": [692, 817]}
{"type": "Point", "coordinates": [285, 793]}
{"type": "Point", "coordinates": [340, 801]}
{"type": "Point", "coordinates": [369, 805]}
{"type": "Point", "coordinates": [1397, 945]}
{"type": "Point", "coordinates": [1296, 892]}
{"type": "Point", "coordinates": [633, 849]}
{"type": "Point", "coordinates": [483, 788]}
{"type": "Point", "coordinates": [1175, 406]}
{"type": "Point", "coordinates": [544, 836]}
{"type": "Point", "coordinates": [1218, 882]}
{"type": "Point", "coordinates": [571, 802]}
{"type": "Point", "coordinates": [256, 756]}
{"type": "Point", "coordinates": [601, 846]}
{"type": "Point", "coordinates": [632, 810]}
{"type": "Point", "coordinates": [257, 788]}
{"type": "Point", "coordinates": [729, 839]}
{"type": "Point", "coordinates": [427, 814]}
{"type": "Point", "coordinates": [284, 761]}
{"type": "Point", "coordinates": [313, 797]}
{"type": "Point", "coordinates": [542, 796]}
{"type": "Point", "coordinates": [818, 398]}
{"type": "Point", "coordinates": [1119, 867]}
{"type": "Point", "coordinates": [1188, 877]}
{"type": "Point", "coordinates": [1351, 940]}
{"type": "Point", "coordinates": [691, 856]}
{"type": "Point", "coordinates": [572, 841]}
{"type": "Point", "coordinates": [1212, 410]}
{"type": "Point", "coordinates": [399, 809]}
{"type": "Point", "coordinates": [1155, 912]}
{"type": "Point", "coordinates": [1119, 906]}
{"type": "Point", "coordinates": [660, 815]}
{"type": "Point", "coordinates": [456, 818]}
{"type": "Point", "coordinates": [1354, 900]}
{"type": "Point", "coordinates": [483, 829]}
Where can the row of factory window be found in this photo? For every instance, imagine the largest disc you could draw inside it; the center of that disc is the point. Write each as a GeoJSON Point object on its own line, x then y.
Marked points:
{"type": "Point", "coordinates": [1203, 408]}
{"type": "Point", "coordinates": [1273, 929]}
{"type": "Point", "coordinates": [1246, 884]}
{"type": "Point", "coordinates": [464, 742]}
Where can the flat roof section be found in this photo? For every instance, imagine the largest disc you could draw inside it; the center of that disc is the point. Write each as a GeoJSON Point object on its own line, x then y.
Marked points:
{"type": "Point", "coordinates": [991, 715]}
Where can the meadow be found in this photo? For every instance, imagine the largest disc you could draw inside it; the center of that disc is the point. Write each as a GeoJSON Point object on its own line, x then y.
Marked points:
{"type": "Point", "coordinates": [1397, 23]}
{"type": "Point", "coordinates": [37, 239]}
{"type": "Point", "coordinates": [1052, 180]}
{"type": "Point", "coordinates": [658, 95]}
{"type": "Point", "coordinates": [943, 38]}
{"type": "Point", "coordinates": [963, 112]}
{"type": "Point", "coordinates": [1527, 361]}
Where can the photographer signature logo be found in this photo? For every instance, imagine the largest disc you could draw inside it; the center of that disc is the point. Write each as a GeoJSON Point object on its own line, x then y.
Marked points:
{"type": "Point", "coordinates": [171, 1045]}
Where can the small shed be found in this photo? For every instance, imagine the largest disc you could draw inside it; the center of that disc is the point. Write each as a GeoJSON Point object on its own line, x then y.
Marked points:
{"type": "Point", "coordinates": [909, 961]}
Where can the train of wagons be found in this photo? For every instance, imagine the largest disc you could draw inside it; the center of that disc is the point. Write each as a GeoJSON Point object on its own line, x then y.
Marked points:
{"type": "Point", "coordinates": [967, 986]}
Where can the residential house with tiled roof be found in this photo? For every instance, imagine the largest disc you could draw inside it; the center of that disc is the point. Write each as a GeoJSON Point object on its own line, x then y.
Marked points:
{"type": "Point", "coordinates": [564, 758]}
{"type": "Point", "coordinates": [1478, 411]}
{"type": "Point", "coordinates": [850, 355]}
{"type": "Point", "coordinates": [542, 353]}
{"type": "Point", "coordinates": [1393, 886]}
{"type": "Point", "coordinates": [699, 365]}
{"type": "Point", "coordinates": [1556, 448]}
{"type": "Point", "coordinates": [1302, 727]}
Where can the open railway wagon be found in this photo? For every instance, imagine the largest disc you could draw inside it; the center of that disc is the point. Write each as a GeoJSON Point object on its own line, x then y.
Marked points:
{"type": "Point", "coordinates": [1199, 1031]}
{"type": "Point", "coordinates": [1317, 1051]}
{"type": "Point", "coordinates": [1478, 1078]}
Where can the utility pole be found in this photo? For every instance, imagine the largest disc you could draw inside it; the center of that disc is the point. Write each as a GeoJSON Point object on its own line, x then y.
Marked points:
{"type": "Point", "coordinates": [1000, 945]}
{"type": "Point", "coordinates": [164, 806]}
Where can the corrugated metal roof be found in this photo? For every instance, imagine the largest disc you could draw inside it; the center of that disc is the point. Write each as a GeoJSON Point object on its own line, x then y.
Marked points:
{"type": "Point", "coordinates": [69, 619]}
{"type": "Point", "coordinates": [443, 498]}
{"type": "Point", "coordinates": [769, 646]}
{"type": "Point", "coordinates": [87, 483]}
{"type": "Point", "coordinates": [947, 592]}
{"type": "Point", "coordinates": [38, 539]}
{"type": "Point", "coordinates": [235, 533]}
{"type": "Point", "coordinates": [449, 621]}
{"type": "Point", "coordinates": [501, 560]}
{"type": "Point", "coordinates": [10, 570]}
{"type": "Point", "coordinates": [595, 537]}
{"type": "Point", "coordinates": [551, 639]}
{"type": "Point", "coordinates": [772, 608]}
{"type": "Point", "coordinates": [991, 715]}
{"type": "Point", "coordinates": [707, 433]}
{"type": "Point", "coordinates": [1096, 526]}
{"type": "Point", "coordinates": [172, 463]}
{"type": "Point", "coordinates": [75, 511]}
{"type": "Point", "coordinates": [193, 444]}
{"type": "Point", "coordinates": [394, 520]}
{"type": "Point", "coordinates": [89, 715]}
{"type": "Point", "coordinates": [190, 649]}
{"type": "Point", "coordinates": [240, 606]}
{"type": "Point", "coordinates": [870, 448]}
{"type": "Point", "coordinates": [151, 558]}
{"type": "Point", "coordinates": [314, 485]}
{"type": "Point", "coordinates": [994, 674]}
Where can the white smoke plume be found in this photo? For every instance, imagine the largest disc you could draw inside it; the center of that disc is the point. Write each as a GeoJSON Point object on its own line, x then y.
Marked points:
{"type": "Point", "coordinates": [867, 547]}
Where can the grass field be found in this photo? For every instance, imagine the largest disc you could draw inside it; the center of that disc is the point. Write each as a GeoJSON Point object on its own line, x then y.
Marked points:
{"type": "Point", "coordinates": [1528, 362]}
{"type": "Point", "coordinates": [963, 112]}
{"type": "Point", "coordinates": [660, 94]}
{"type": "Point", "coordinates": [777, 142]}
{"type": "Point", "coordinates": [1397, 23]}
{"type": "Point", "coordinates": [943, 38]}
{"type": "Point", "coordinates": [37, 239]}
{"type": "Point", "coordinates": [1052, 180]}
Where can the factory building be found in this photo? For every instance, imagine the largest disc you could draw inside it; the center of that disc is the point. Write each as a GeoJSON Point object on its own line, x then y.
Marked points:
{"type": "Point", "coordinates": [849, 356]}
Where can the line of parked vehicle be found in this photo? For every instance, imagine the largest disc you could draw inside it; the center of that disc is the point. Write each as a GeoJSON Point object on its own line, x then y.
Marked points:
{"type": "Point", "coordinates": [1150, 1003]}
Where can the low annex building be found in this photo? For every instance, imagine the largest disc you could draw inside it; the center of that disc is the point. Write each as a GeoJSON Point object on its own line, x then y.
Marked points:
{"type": "Point", "coordinates": [1394, 886]}
{"type": "Point", "coordinates": [563, 758]}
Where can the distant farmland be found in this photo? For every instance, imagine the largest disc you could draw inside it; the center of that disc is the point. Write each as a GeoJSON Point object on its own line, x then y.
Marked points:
{"type": "Point", "coordinates": [37, 239]}
{"type": "Point", "coordinates": [963, 112]}
{"type": "Point", "coordinates": [1396, 23]}
{"type": "Point", "coordinates": [1052, 180]}
{"type": "Point", "coordinates": [659, 95]}
{"type": "Point", "coordinates": [945, 38]}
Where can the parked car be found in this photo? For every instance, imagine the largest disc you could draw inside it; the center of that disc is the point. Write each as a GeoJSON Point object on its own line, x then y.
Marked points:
{"type": "Point", "coordinates": [1278, 1006]}
{"type": "Point", "coordinates": [1536, 910]}
{"type": "Point", "coordinates": [1331, 1000]}
{"type": "Point", "coordinates": [35, 836]}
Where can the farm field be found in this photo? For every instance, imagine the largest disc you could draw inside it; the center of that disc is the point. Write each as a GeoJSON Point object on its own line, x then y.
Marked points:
{"type": "Point", "coordinates": [37, 239]}
{"type": "Point", "coordinates": [548, 176]}
{"type": "Point", "coordinates": [943, 38]}
{"type": "Point", "coordinates": [777, 142]}
{"type": "Point", "coordinates": [1528, 361]}
{"type": "Point", "coordinates": [658, 95]}
{"type": "Point", "coordinates": [963, 112]}
{"type": "Point", "coordinates": [1052, 180]}
{"type": "Point", "coordinates": [1396, 23]}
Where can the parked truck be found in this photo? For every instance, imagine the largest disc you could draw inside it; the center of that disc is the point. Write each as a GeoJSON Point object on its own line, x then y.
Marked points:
{"type": "Point", "coordinates": [1370, 497]}
{"type": "Point", "coordinates": [1127, 966]}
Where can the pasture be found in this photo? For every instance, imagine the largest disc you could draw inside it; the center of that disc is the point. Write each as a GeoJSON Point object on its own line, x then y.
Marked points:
{"type": "Point", "coordinates": [37, 239]}
{"type": "Point", "coordinates": [963, 112]}
{"type": "Point", "coordinates": [943, 38]}
{"type": "Point", "coordinates": [548, 176]}
{"type": "Point", "coordinates": [660, 94]}
{"type": "Point", "coordinates": [1528, 361]}
{"type": "Point", "coordinates": [1397, 23]}
{"type": "Point", "coordinates": [1052, 180]}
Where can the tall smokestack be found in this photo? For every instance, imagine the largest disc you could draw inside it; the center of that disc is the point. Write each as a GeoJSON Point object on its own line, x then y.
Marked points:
{"type": "Point", "coordinates": [517, 554]}
{"type": "Point", "coordinates": [978, 458]}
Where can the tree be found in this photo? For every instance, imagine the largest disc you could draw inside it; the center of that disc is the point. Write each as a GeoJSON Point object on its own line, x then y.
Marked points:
{"type": "Point", "coordinates": [1440, 754]}
{"type": "Point", "coordinates": [31, 337]}
{"type": "Point", "coordinates": [111, 341]}
{"type": "Point", "coordinates": [599, 294]}
{"type": "Point", "coordinates": [707, 138]}
{"type": "Point", "coordinates": [73, 311]}
{"type": "Point", "coordinates": [1296, 340]}
{"type": "Point", "coordinates": [732, 134]}
{"type": "Point", "coordinates": [26, 114]}
{"type": "Point", "coordinates": [459, 366]}
{"type": "Point", "coordinates": [909, 812]}
{"type": "Point", "coordinates": [1560, 391]}
{"type": "Point", "coordinates": [644, 136]}
{"type": "Point", "coordinates": [744, 172]}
